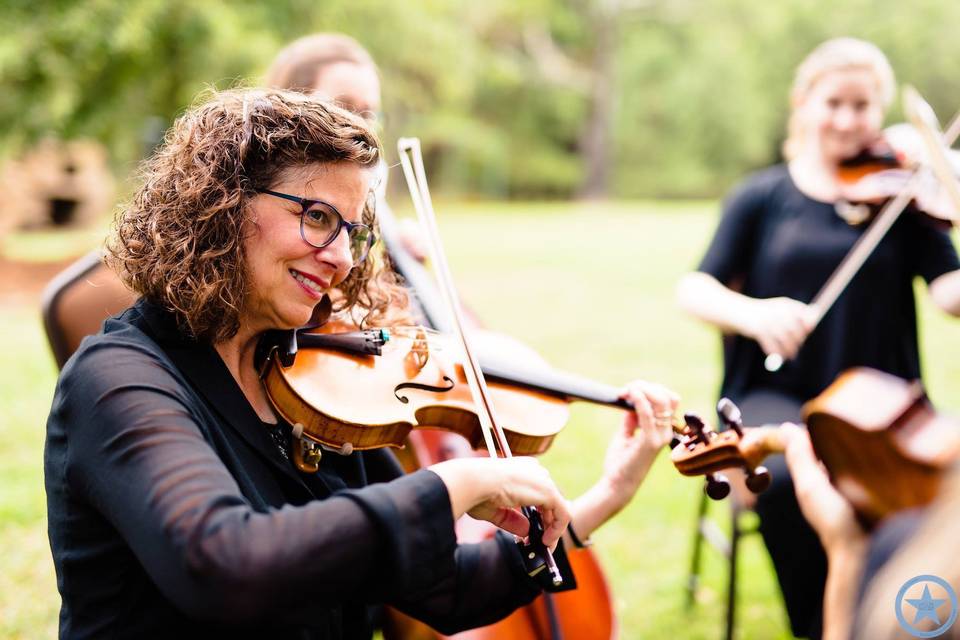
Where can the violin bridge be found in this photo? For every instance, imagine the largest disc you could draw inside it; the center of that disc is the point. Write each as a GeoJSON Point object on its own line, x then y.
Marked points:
{"type": "Point", "coordinates": [420, 350]}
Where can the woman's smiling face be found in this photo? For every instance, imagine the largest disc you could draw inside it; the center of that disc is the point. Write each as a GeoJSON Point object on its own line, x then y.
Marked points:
{"type": "Point", "coordinates": [286, 275]}
{"type": "Point", "coordinates": [843, 113]}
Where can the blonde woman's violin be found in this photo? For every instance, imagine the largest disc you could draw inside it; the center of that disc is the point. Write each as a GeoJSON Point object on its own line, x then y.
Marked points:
{"type": "Point", "coordinates": [937, 157]}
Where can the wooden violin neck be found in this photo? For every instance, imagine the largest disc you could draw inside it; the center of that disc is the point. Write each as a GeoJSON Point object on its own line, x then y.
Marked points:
{"type": "Point", "coordinates": [554, 383]}
{"type": "Point", "coordinates": [760, 442]}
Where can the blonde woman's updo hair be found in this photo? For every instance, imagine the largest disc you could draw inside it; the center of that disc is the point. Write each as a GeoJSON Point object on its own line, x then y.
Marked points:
{"type": "Point", "coordinates": [179, 243]}
{"type": "Point", "coordinates": [838, 54]}
{"type": "Point", "coordinates": [296, 66]}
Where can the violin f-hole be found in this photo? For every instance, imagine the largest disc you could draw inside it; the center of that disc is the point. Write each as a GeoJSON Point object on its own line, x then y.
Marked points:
{"type": "Point", "coordinates": [423, 387]}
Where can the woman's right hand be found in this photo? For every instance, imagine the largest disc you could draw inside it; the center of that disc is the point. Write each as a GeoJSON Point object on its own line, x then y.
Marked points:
{"type": "Point", "coordinates": [494, 489]}
{"type": "Point", "coordinates": [779, 325]}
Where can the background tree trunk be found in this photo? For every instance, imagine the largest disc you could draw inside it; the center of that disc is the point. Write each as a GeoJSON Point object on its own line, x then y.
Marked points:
{"type": "Point", "coordinates": [596, 135]}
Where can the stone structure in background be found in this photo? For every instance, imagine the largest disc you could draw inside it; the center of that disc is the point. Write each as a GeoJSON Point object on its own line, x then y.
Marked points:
{"type": "Point", "coordinates": [56, 183]}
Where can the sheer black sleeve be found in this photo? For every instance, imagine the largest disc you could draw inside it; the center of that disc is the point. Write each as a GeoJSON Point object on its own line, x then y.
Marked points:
{"type": "Point", "coordinates": [135, 453]}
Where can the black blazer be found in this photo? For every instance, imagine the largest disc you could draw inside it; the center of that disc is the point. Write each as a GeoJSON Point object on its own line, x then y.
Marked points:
{"type": "Point", "coordinates": [173, 513]}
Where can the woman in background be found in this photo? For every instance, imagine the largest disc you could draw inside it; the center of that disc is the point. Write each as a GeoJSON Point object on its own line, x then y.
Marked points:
{"type": "Point", "coordinates": [779, 239]}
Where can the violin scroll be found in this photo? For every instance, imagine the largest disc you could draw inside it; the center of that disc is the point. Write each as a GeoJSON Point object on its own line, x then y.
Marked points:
{"type": "Point", "coordinates": [717, 486]}
{"type": "Point", "coordinates": [703, 451]}
{"type": "Point", "coordinates": [758, 478]}
{"type": "Point", "coordinates": [884, 446]}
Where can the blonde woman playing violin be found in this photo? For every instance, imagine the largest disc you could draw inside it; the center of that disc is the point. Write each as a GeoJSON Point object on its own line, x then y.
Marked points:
{"type": "Point", "coordinates": [780, 238]}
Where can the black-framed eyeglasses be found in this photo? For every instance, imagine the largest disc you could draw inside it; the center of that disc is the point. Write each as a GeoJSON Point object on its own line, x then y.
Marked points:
{"type": "Point", "coordinates": [321, 223]}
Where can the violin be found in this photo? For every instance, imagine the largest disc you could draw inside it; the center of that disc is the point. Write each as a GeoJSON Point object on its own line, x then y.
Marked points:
{"type": "Point", "coordinates": [884, 446]}
{"type": "Point", "coordinates": [942, 163]}
{"type": "Point", "coordinates": [409, 380]}
{"type": "Point", "coordinates": [414, 378]}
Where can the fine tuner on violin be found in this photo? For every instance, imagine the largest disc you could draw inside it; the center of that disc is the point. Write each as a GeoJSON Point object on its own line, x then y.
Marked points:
{"type": "Point", "coordinates": [938, 158]}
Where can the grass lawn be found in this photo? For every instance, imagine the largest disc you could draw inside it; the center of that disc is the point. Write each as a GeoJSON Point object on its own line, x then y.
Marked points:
{"type": "Point", "coordinates": [591, 288]}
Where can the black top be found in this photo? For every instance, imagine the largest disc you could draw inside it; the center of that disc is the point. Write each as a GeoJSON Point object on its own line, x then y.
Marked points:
{"type": "Point", "coordinates": [775, 241]}
{"type": "Point", "coordinates": [174, 513]}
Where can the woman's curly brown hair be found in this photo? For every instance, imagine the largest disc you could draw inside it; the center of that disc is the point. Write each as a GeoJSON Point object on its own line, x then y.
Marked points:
{"type": "Point", "coordinates": [179, 241]}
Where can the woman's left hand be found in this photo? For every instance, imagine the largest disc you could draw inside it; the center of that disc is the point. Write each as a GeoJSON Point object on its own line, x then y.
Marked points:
{"type": "Point", "coordinates": [934, 198]}
{"type": "Point", "coordinates": [930, 195]}
{"type": "Point", "coordinates": [644, 432]}
{"type": "Point", "coordinates": [630, 454]}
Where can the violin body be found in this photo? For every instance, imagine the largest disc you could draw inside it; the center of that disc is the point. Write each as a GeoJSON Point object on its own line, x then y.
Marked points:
{"type": "Point", "coordinates": [880, 157]}
{"type": "Point", "coordinates": [884, 446]}
{"type": "Point", "coordinates": [413, 384]}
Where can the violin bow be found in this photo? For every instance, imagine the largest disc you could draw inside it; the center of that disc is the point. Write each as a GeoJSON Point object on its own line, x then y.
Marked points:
{"type": "Point", "coordinates": [864, 246]}
{"type": "Point", "coordinates": [921, 115]}
{"type": "Point", "coordinates": [411, 160]}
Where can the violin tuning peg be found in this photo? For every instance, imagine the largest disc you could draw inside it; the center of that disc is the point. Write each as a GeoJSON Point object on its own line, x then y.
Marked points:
{"type": "Point", "coordinates": [730, 414]}
{"type": "Point", "coordinates": [758, 480]}
{"type": "Point", "coordinates": [696, 427]}
{"type": "Point", "coordinates": [717, 487]}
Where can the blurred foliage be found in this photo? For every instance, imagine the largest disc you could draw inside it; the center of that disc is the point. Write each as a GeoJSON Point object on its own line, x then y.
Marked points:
{"type": "Point", "coordinates": [696, 88]}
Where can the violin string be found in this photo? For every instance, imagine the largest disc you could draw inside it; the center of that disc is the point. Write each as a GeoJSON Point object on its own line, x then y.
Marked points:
{"type": "Point", "coordinates": [868, 241]}
{"type": "Point", "coordinates": [488, 422]}
{"type": "Point", "coordinates": [412, 164]}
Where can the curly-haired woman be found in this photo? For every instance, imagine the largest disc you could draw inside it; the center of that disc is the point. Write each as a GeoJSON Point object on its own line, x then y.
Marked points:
{"type": "Point", "coordinates": [173, 508]}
